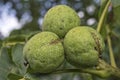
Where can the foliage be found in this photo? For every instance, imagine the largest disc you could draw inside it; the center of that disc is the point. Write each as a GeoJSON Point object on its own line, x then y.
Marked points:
{"type": "Point", "coordinates": [115, 3]}
{"type": "Point", "coordinates": [13, 65]}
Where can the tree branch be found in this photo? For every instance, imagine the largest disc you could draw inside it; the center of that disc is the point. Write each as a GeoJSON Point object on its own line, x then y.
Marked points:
{"type": "Point", "coordinates": [112, 59]}
{"type": "Point", "coordinates": [103, 70]}
{"type": "Point", "coordinates": [102, 18]}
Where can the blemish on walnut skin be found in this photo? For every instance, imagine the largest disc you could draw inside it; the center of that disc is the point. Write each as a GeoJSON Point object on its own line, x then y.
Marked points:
{"type": "Point", "coordinates": [61, 28]}
{"type": "Point", "coordinates": [26, 62]}
{"type": "Point", "coordinates": [29, 49]}
{"type": "Point", "coordinates": [62, 20]}
{"type": "Point", "coordinates": [55, 41]}
{"type": "Point", "coordinates": [97, 41]}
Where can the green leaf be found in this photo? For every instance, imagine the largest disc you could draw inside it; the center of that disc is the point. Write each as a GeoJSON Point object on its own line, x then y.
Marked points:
{"type": "Point", "coordinates": [16, 38]}
{"type": "Point", "coordinates": [18, 59]}
{"type": "Point", "coordinates": [103, 32]}
{"type": "Point", "coordinates": [31, 76]}
{"type": "Point", "coordinates": [117, 16]}
{"type": "Point", "coordinates": [3, 74]}
{"type": "Point", "coordinates": [5, 64]}
{"type": "Point", "coordinates": [86, 76]}
{"type": "Point", "coordinates": [1, 44]}
{"type": "Point", "coordinates": [13, 76]}
{"type": "Point", "coordinates": [32, 34]}
{"type": "Point", "coordinates": [21, 39]}
{"type": "Point", "coordinates": [115, 3]}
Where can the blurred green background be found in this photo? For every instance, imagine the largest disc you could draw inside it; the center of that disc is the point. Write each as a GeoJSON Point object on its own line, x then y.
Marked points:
{"type": "Point", "coordinates": [16, 14]}
{"type": "Point", "coordinates": [25, 16]}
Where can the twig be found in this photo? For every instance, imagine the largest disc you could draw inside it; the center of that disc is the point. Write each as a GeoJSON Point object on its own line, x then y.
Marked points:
{"type": "Point", "coordinates": [104, 71]}
{"type": "Point", "coordinates": [102, 18]}
{"type": "Point", "coordinates": [112, 59]}
{"type": "Point", "coordinates": [7, 44]}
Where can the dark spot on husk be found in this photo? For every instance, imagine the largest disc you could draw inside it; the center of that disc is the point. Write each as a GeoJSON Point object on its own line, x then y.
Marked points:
{"type": "Point", "coordinates": [55, 41]}
{"type": "Point", "coordinates": [97, 41]}
{"type": "Point", "coordinates": [62, 20]}
{"type": "Point", "coordinates": [26, 63]}
{"type": "Point", "coordinates": [61, 28]}
{"type": "Point", "coordinates": [100, 56]}
{"type": "Point", "coordinates": [95, 48]}
{"type": "Point", "coordinates": [29, 49]}
{"type": "Point", "coordinates": [42, 61]}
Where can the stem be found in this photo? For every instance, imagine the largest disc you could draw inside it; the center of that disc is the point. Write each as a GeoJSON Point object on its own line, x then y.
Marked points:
{"type": "Point", "coordinates": [11, 43]}
{"type": "Point", "coordinates": [112, 59]}
{"type": "Point", "coordinates": [104, 71]}
{"type": "Point", "coordinates": [90, 71]}
{"type": "Point", "coordinates": [101, 21]}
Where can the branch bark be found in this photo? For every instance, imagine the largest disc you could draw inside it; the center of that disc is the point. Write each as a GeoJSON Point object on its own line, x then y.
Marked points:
{"type": "Point", "coordinates": [103, 70]}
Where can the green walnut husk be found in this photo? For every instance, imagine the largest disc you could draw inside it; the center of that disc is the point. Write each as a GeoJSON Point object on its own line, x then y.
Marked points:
{"type": "Point", "coordinates": [83, 45]}
{"type": "Point", "coordinates": [60, 19]}
{"type": "Point", "coordinates": [44, 52]}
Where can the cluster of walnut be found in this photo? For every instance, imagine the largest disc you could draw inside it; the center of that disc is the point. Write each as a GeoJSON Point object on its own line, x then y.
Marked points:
{"type": "Point", "coordinates": [63, 38]}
